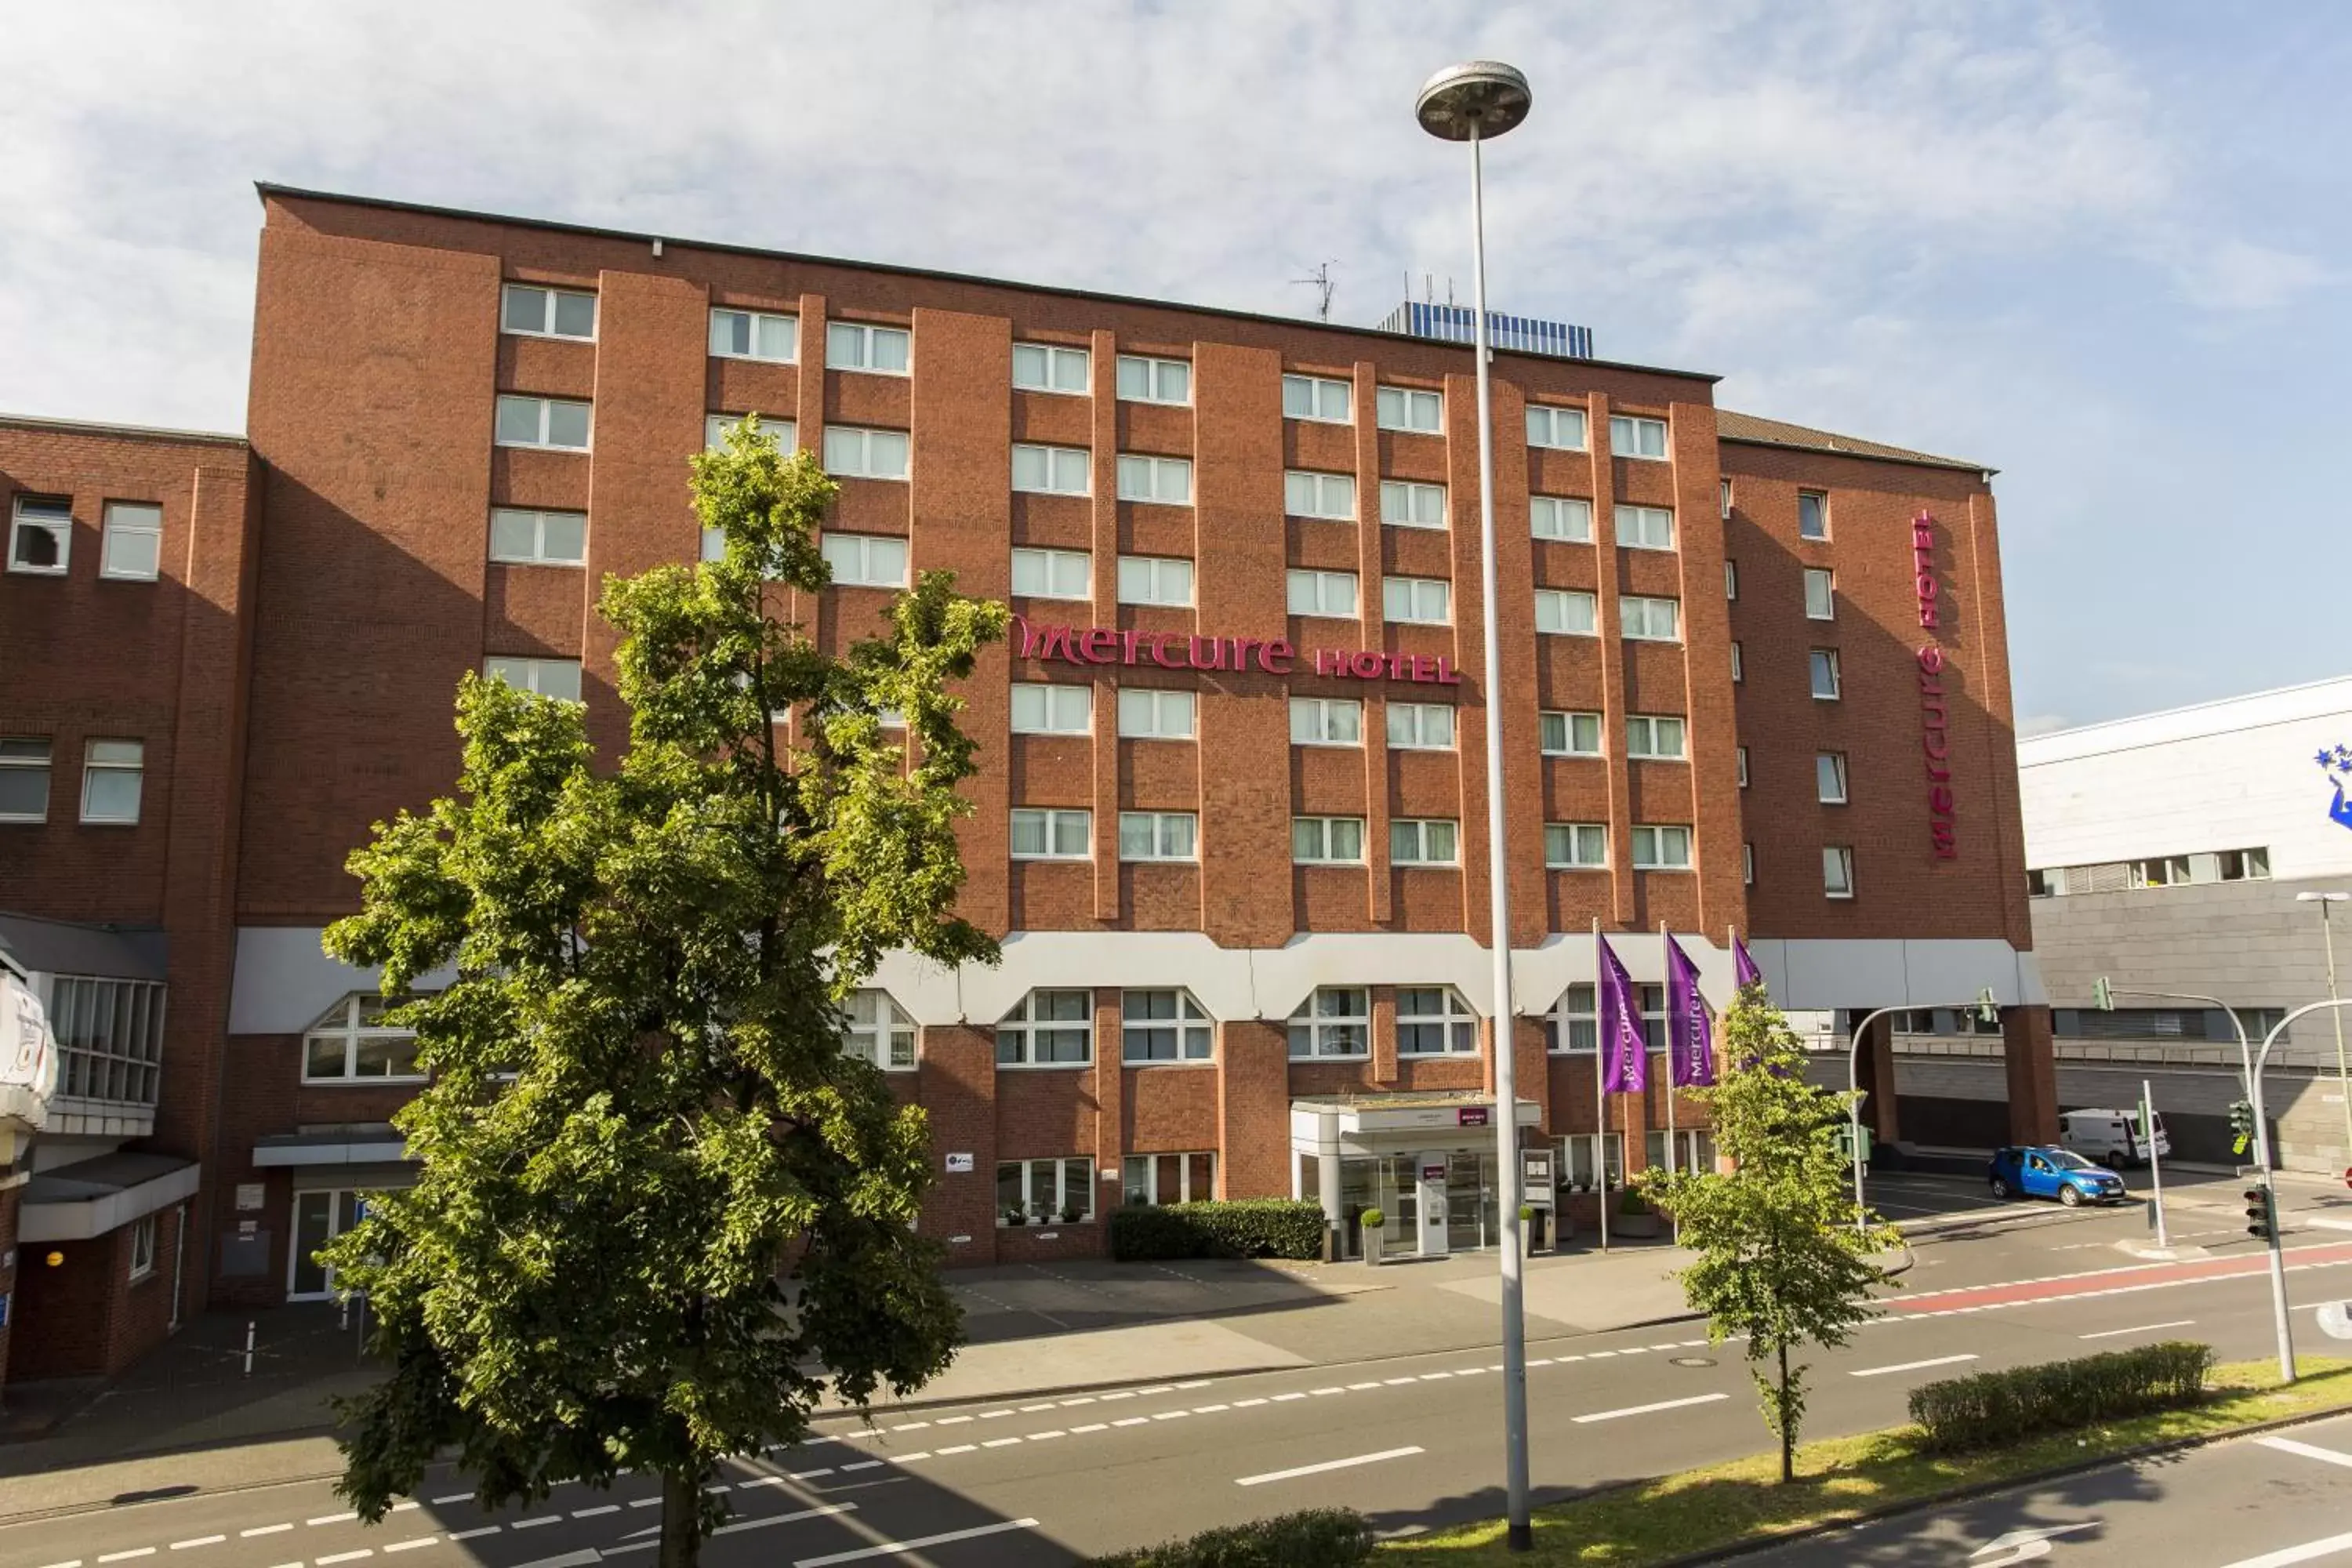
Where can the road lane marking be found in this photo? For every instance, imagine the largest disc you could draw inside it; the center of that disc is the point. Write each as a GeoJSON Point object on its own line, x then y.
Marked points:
{"type": "Point", "coordinates": [2308, 1450]}
{"type": "Point", "coordinates": [1913, 1365]}
{"type": "Point", "coordinates": [2143, 1329]}
{"type": "Point", "coordinates": [901, 1548]}
{"type": "Point", "coordinates": [959, 1448]}
{"type": "Point", "coordinates": [332, 1518]}
{"type": "Point", "coordinates": [533, 1523]}
{"type": "Point", "coordinates": [1247, 1404]}
{"type": "Point", "coordinates": [336, 1557]}
{"type": "Point", "coordinates": [198, 1541]}
{"type": "Point", "coordinates": [1648, 1409]}
{"type": "Point", "coordinates": [264, 1529]}
{"type": "Point", "coordinates": [2310, 1550]}
{"type": "Point", "coordinates": [820, 1511]}
{"type": "Point", "coordinates": [137, 1552]}
{"type": "Point", "coordinates": [1002, 1443]}
{"type": "Point", "coordinates": [478, 1530]}
{"type": "Point", "coordinates": [646, 1502]}
{"type": "Point", "coordinates": [1327, 1465]}
{"type": "Point", "coordinates": [1198, 1410]}
{"type": "Point", "coordinates": [453, 1497]}
{"type": "Point", "coordinates": [593, 1513]}
{"type": "Point", "coordinates": [410, 1545]}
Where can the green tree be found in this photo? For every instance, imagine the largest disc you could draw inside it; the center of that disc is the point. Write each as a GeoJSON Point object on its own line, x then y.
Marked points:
{"type": "Point", "coordinates": [1781, 1258]}
{"type": "Point", "coordinates": [657, 1205]}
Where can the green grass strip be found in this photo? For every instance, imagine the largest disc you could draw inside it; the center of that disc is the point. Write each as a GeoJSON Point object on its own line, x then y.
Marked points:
{"type": "Point", "coordinates": [1842, 1479]}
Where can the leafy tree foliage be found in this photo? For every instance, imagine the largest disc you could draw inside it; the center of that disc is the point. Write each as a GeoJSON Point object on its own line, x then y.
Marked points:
{"type": "Point", "coordinates": [656, 1203]}
{"type": "Point", "coordinates": [1782, 1259]}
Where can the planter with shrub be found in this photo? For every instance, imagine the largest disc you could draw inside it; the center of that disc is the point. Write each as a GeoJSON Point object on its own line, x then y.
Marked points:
{"type": "Point", "coordinates": [1375, 1240]}
{"type": "Point", "coordinates": [1994, 1408]}
{"type": "Point", "coordinates": [1246, 1227]}
{"type": "Point", "coordinates": [1318, 1538]}
{"type": "Point", "coordinates": [1634, 1219]}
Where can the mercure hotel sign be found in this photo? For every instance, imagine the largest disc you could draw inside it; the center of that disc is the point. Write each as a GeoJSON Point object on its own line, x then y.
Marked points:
{"type": "Point", "coordinates": [1934, 719]}
{"type": "Point", "coordinates": [1183, 650]}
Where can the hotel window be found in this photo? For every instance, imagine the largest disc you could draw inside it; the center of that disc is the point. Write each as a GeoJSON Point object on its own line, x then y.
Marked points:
{"type": "Point", "coordinates": [558, 678]}
{"type": "Point", "coordinates": [41, 536]}
{"type": "Point", "coordinates": [1738, 664]}
{"type": "Point", "coordinates": [1155, 580]}
{"type": "Point", "coordinates": [1404, 504]}
{"type": "Point", "coordinates": [23, 780]}
{"type": "Point", "coordinates": [1576, 846]}
{"type": "Point", "coordinates": [534, 313]}
{"type": "Point", "coordinates": [1567, 612]}
{"type": "Point", "coordinates": [1579, 1007]}
{"type": "Point", "coordinates": [1631, 436]}
{"type": "Point", "coordinates": [1147, 713]}
{"type": "Point", "coordinates": [1326, 840]}
{"type": "Point", "coordinates": [1144, 380]}
{"type": "Point", "coordinates": [1417, 601]}
{"type": "Point", "coordinates": [1723, 495]}
{"type": "Point", "coordinates": [142, 1247]}
{"type": "Point", "coordinates": [1568, 518]}
{"type": "Point", "coordinates": [1168, 480]}
{"type": "Point", "coordinates": [1153, 1179]}
{"type": "Point", "coordinates": [855, 454]}
{"type": "Point", "coordinates": [865, 560]}
{"type": "Point", "coordinates": [130, 543]}
{"type": "Point", "coordinates": [1731, 579]}
{"type": "Point", "coordinates": [1424, 841]}
{"type": "Point", "coordinates": [1570, 734]}
{"type": "Point", "coordinates": [1158, 835]}
{"type": "Point", "coordinates": [1319, 495]}
{"type": "Point", "coordinates": [1747, 864]}
{"type": "Point", "coordinates": [1042, 835]}
{"type": "Point", "coordinates": [784, 434]}
{"type": "Point", "coordinates": [1577, 1150]}
{"type": "Point", "coordinates": [539, 538]}
{"type": "Point", "coordinates": [1331, 593]}
{"type": "Point", "coordinates": [1837, 871]}
{"type": "Point", "coordinates": [1316, 397]}
{"type": "Point", "coordinates": [1052, 470]}
{"type": "Point", "coordinates": [1163, 1026]}
{"type": "Point", "coordinates": [1047, 367]}
{"type": "Point", "coordinates": [1420, 726]}
{"type": "Point", "coordinates": [1044, 1192]}
{"type": "Point", "coordinates": [1562, 429]}
{"type": "Point", "coordinates": [755, 334]}
{"type": "Point", "coordinates": [1657, 737]}
{"type": "Point", "coordinates": [1739, 756]}
{"type": "Point", "coordinates": [1052, 573]}
{"type": "Point", "coordinates": [1433, 1021]}
{"type": "Point", "coordinates": [1829, 777]}
{"type": "Point", "coordinates": [1042, 709]}
{"type": "Point", "coordinates": [1644, 527]}
{"type": "Point", "coordinates": [1049, 1029]}
{"type": "Point", "coordinates": [1821, 594]}
{"type": "Point", "coordinates": [1662, 849]}
{"type": "Point", "coordinates": [1812, 514]}
{"type": "Point", "coordinates": [1327, 721]}
{"type": "Point", "coordinates": [350, 1043]}
{"type": "Point", "coordinates": [878, 350]}
{"type": "Point", "coordinates": [1334, 1021]}
{"type": "Point", "coordinates": [1403, 408]}
{"type": "Point", "coordinates": [541, 422]}
{"type": "Point", "coordinates": [1823, 662]}
{"type": "Point", "coordinates": [1650, 620]}
{"type": "Point", "coordinates": [111, 775]}
{"type": "Point", "coordinates": [876, 1030]}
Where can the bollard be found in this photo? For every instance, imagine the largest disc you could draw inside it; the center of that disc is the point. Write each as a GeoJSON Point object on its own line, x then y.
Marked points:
{"type": "Point", "coordinates": [248, 1347]}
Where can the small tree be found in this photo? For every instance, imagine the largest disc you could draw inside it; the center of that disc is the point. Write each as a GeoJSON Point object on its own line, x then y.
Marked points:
{"type": "Point", "coordinates": [656, 1203]}
{"type": "Point", "coordinates": [1781, 1259]}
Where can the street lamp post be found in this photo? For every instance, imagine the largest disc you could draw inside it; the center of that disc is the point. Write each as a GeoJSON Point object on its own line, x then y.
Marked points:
{"type": "Point", "coordinates": [2343, 1076]}
{"type": "Point", "coordinates": [1854, 1093]}
{"type": "Point", "coordinates": [1475, 103]}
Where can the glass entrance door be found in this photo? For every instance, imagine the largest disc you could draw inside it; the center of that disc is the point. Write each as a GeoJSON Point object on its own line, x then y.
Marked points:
{"type": "Point", "coordinates": [1473, 1216]}
{"type": "Point", "coordinates": [320, 1216]}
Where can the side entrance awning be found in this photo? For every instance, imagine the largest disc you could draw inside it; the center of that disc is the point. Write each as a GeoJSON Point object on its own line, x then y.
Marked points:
{"type": "Point", "coordinates": [378, 1146]}
{"type": "Point", "coordinates": [79, 1201]}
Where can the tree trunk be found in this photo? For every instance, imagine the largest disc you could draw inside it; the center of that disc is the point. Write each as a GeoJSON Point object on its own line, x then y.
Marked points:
{"type": "Point", "coordinates": [681, 1519]}
{"type": "Point", "coordinates": [1787, 1425]}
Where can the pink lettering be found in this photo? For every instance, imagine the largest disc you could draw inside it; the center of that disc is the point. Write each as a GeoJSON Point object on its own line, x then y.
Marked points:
{"type": "Point", "coordinates": [1280, 648]}
{"type": "Point", "coordinates": [1366, 666]}
{"type": "Point", "coordinates": [1934, 744]}
{"type": "Point", "coordinates": [1424, 668]}
{"type": "Point", "coordinates": [1446, 674]}
{"type": "Point", "coordinates": [1330, 661]}
{"type": "Point", "coordinates": [1161, 642]}
{"type": "Point", "coordinates": [1128, 641]}
{"type": "Point", "coordinates": [1216, 659]}
{"type": "Point", "coordinates": [1939, 801]}
{"type": "Point", "coordinates": [1241, 647]}
{"type": "Point", "coordinates": [1102, 645]}
{"type": "Point", "coordinates": [1040, 642]}
{"type": "Point", "coordinates": [1931, 659]}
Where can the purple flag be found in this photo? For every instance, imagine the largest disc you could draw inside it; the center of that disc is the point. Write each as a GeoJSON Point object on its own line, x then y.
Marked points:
{"type": "Point", "coordinates": [1626, 1056]}
{"type": "Point", "coordinates": [1743, 967]}
{"type": "Point", "coordinates": [1690, 1034]}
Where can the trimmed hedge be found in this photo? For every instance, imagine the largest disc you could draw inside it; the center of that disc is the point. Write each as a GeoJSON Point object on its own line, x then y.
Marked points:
{"type": "Point", "coordinates": [1318, 1538]}
{"type": "Point", "coordinates": [1246, 1227]}
{"type": "Point", "coordinates": [1997, 1407]}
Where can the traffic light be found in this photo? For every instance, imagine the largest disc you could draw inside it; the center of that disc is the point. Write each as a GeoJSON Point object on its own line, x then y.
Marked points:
{"type": "Point", "coordinates": [2261, 1219]}
{"type": "Point", "coordinates": [2242, 1125]}
{"type": "Point", "coordinates": [2103, 995]}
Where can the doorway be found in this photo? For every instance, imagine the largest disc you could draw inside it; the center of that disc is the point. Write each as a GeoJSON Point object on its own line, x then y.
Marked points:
{"type": "Point", "coordinates": [320, 1216]}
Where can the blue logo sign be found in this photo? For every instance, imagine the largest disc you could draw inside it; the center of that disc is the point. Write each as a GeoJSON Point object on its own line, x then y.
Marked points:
{"type": "Point", "coordinates": [2336, 764]}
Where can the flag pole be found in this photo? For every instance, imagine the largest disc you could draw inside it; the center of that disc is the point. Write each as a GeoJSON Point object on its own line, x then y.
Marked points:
{"type": "Point", "coordinates": [1674, 1153]}
{"type": "Point", "coordinates": [1600, 1098]}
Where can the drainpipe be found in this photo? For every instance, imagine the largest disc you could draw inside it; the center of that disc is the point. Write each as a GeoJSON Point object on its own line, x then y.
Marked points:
{"type": "Point", "coordinates": [179, 1267]}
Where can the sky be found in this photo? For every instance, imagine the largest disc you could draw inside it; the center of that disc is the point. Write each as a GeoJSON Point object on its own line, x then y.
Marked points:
{"type": "Point", "coordinates": [2101, 248]}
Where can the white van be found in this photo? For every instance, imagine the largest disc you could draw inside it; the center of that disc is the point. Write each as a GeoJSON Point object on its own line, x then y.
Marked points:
{"type": "Point", "coordinates": [2113, 1138]}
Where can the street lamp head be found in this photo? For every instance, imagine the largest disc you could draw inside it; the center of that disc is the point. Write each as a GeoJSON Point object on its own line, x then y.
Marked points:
{"type": "Point", "coordinates": [2324, 897]}
{"type": "Point", "coordinates": [1479, 98]}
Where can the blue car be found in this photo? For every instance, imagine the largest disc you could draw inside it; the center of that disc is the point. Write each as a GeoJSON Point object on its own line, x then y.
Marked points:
{"type": "Point", "coordinates": [2050, 1172]}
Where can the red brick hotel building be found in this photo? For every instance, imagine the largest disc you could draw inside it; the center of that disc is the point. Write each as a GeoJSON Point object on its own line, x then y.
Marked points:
{"type": "Point", "coordinates": [1230, 825]}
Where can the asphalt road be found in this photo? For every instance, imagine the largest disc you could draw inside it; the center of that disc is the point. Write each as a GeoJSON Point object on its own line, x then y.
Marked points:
{"type": "Point", "coordinates": [1412, 1441]}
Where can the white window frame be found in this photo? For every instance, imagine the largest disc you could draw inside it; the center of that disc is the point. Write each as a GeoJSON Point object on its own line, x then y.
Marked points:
{"type": "Point", "coordinates": [52, 515]}
{"type": "Point", "coordinates": [1659, 837]}
{"type": "Point", "coordinates": [754, 324]}
{"type": "Point", "coordinates": [529, 673]}
{"type": "Point", "coordinates": [1023, 1026]}
{"type": "Point", "coordinates": [1819, 660]}
{"type": "Point", "coordinates": [1723, 498]}
{"type": "Point", "coordinates": [1411, 409]}
{"type": "Point", "coordinates": [1327, 721]}
{"type": "Point", "coordinates": [348, 1022]}
{"type": "Point", "coordinates": [1165, 581]}
{"type": "Point", "coordinates": [1820, 511]}
{"type": "Point", "coordinates": [1642, 527]}
{"type": "Point", "coordinates": [1837, 871]}
{"type": "Point", "coordinates": [1570, 846]}
{"type": "Point", "coordinates": [1730, 578]}
{"type": "Point", "coordinates": [1569, 518]}
{"type": "Point", "coordinates": [1821, 593]}
{"type": "Point", "coordinates": [1572, 723]}
{"type": "Point", "coordinates": [1050, 821]}
{"type": "Point", "coordinates": [1739, 664]}
{"type": "Point", "coordinates": [1648, 618]}
{"type": "Point", "coordinates": [1308, 397]}
{"type": "Point", "coordinates": [1061, 471]}
{"type": "Point", "coordinates": [860, 452]}
{"type": "Point", "coordinates": [1175, 837]}
{"type": "Point", "coordinates": [1320, 828]}
{"type": "Point", "coordinates": [124, 522]}
{"type": "Point", "coordinates": [1350, 1016]}
{"type": "Point", "coordinates": [1405, 601]}
{"type": "Point", "coordinates": [1559, 611]}
{"type": "Point", "coordinates": [113, 759]}
{"type": "Point", "coordinates": [872, 1026]}
{"type": "Point", "coordinates": [1411, 725]}
{"type": "Point", "coordinates": [1307, 592]}
{"type": "Point", "coordinates": [1066, 1186]}
{"type": "Point", "coordinates": [1311, 492]}
{"type": "Point", "coordinates": [784, 434]}
{"type": "Point", "coordinates": [1627, 433]}
{"type": "Point", "coordinates": [1053, 565]}
{"type": "Point", "coordinates": [17, 755]}
{"type": "Point", "coordinates": [536, 519]}
{"type": "Point", "coordinates": [1747, 864]}
{"type": "Point", "coordinates": [1054, 708]}
{"type": "Point", "coordinates": [1456, 1022]}
{"type": "Point", "coordinates": [1162, 482]}
{"type": "Point", "coordinates": [1740, 755]}
{"type": "Point", "coordinates": [1645, 734]}
{"type": "Point", "coordinates": [1544, 427]}
{"type": "Point", "coordinates": [1409, 503]}
{"type": "Point", "coordinates": [1144, 1192]}
{"type": "Point", "coordinates": [1195, 1032]}
{"type": "Point", "coordinates": [1580, 1148]}
{"type": "Point", "coordinates": [546, 406]}
{"type": "Point", "coordinates": [866, 334]}
{"type": "Point", "coordinates": [1830, 780]}
{"type": "Point", "coordinates": [1424, 841]}
{"type": "Point", "coordinates": [1151, 713]}
{"type": "Point", "coordinates": [862, 560]}
{"type": "Point", "coordinates": [1053, 359]}
{"type": "Point", "coordinates": [550, 296]}
{"type": "Point", "coordinates": [142, 1247]}
{"type": "Point", "coordinates": [1153, 369]}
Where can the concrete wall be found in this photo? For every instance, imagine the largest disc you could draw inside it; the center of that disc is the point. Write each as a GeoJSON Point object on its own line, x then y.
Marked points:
{"type": "Point", "coordinates": [2249, 943]}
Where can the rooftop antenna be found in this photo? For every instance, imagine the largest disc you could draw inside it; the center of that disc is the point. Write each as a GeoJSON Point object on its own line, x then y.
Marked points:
{"type": "Point", "coordinates": [1320, 279]}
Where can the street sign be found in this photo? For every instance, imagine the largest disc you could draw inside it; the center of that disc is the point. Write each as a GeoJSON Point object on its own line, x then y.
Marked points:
{"type": "Point", "coordinates": [959, 1164]}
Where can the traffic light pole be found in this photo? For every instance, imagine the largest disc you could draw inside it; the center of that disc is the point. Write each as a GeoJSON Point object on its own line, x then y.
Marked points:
{"type": "Point", "coordinates": [1986, 1008]}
